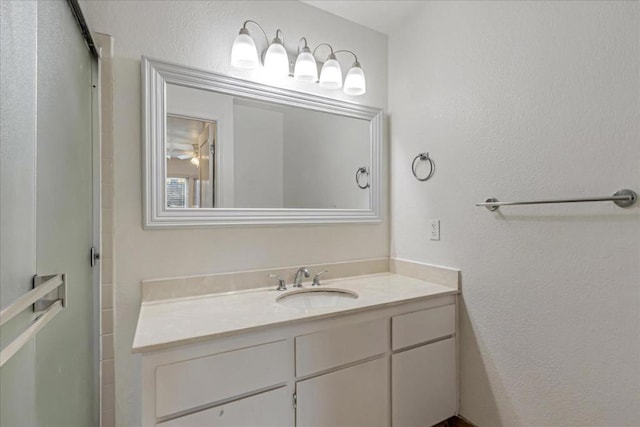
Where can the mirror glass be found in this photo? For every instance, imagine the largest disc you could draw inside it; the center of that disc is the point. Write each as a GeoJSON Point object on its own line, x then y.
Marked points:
{"type": "Point", "coordinates": [232, 152]}
{"type": "Point", "coordinates": [190, 146]}
{"type": "Point", "coordinates": [223, 151]}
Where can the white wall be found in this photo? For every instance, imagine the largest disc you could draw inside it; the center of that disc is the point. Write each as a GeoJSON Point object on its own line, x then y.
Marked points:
{"type": "Point", "coordinates": [314, 176]}
{"type": "Point", "coordinates": [258, 171]}
{"type": "Point", "coordinates": [522, 100]}
{"type": "Point", "coordinates": [200, 34]}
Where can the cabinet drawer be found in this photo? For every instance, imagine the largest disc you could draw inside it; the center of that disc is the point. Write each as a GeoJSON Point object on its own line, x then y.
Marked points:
{"type": "Point", "coordinates": [422, 326]}
{"type": "Point", "coordinates": [185, 385]}
{"type": "Point", "coordinates": [335, 347]}
{"type": "Point", "coordinates": [270, 409]}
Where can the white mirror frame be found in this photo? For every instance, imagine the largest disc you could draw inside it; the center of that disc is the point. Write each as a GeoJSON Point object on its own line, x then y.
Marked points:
{"type": "Point", "coordinates": [157, 74]}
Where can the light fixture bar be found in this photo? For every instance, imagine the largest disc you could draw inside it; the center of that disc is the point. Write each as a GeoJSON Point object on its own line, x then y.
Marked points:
{"type": "Point", "coordinates": [347, 51]}
{"type": "Point", "coordinates": [244, 54]}
{"type": "Point", "coordinates": [250, 21]}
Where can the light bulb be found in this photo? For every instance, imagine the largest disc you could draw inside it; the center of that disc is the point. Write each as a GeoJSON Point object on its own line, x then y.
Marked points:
{"type": "Point", "coordinates": [306, 69]}
{"type": "Point", "coordinates": [355, 83]}
{"type": "Point", "coordinates": [195, 161]}
{"type": "Point", "coordinates": [244, 53]}
{"type": "Point", "coordinates": [331, 74]}
{"type": "Point", "coordinates": [276, 60]}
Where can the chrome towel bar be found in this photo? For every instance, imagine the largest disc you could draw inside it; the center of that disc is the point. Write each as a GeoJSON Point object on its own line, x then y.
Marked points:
{"type": "Point", "coordinates": [622, 198]}
{"type": "Point", "coordinates": [47, 298]}
{"type": "Point", "coordinates": [15, 345]}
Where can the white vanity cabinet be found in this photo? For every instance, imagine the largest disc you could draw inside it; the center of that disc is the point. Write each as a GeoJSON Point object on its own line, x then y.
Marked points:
{"type": "Point", "coordinates": [423, 366]}
{"type": "Point", "coordinates": [390, 366]}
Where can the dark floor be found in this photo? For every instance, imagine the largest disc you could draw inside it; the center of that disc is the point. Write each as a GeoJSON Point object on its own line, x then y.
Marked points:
{"type": "Point", "coordinates": [455, 422]}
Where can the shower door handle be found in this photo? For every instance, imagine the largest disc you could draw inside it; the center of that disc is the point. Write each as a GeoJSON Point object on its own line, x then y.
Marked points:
{"type": "Point", "coordinates": [94, 256]}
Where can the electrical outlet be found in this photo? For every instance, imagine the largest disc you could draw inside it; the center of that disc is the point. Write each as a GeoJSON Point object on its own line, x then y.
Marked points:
{"type": "Point", "coordinates": [435, 229]}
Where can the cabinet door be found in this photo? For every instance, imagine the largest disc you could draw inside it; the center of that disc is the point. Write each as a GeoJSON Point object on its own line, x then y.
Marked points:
{"type": "Point", "coordinates": [353, 397]}
{"type": "Point", "coordinates": [423, 384]}
{"type": "Point", "coordinates": [270, 409]}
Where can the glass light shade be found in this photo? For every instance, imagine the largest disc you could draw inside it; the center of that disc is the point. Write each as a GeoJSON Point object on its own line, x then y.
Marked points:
{"type": "Point", "coordinates": [244, 53]}
{"type": "Point", "coordinates": [355, 83]}
{"type": "Point", "coordinates": [331, 74]}
{"type": "Point", "coordinates": [195, 161]}
{"type": "Point", "coordinates": [306, 69]}
{"type": "Point", "coordinates": [276, 60]}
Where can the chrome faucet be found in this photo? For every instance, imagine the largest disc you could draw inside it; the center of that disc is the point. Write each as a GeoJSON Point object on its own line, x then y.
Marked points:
{"type": "Point", "coordinates": [281, 285]}
{"type": "Point", "coordinates": [297, 282]}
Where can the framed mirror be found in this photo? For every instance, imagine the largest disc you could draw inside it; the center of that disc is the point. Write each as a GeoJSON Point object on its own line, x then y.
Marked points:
{"type": "Point", "coordinates": [224, 151]}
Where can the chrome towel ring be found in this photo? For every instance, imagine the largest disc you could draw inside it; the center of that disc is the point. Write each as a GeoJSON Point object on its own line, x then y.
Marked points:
{"type": "Point", "coordinates": [423, 157]}
{"type": "Point", "coordinates": [362, 171]}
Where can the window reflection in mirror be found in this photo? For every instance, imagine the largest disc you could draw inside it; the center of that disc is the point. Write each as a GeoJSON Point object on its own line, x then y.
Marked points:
{"type": "Point", "coordinates": [190, 148]}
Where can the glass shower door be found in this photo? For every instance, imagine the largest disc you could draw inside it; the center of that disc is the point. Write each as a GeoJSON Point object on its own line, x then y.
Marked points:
{"type": "Point", "coordinates": [65, 356]}
{"type": "Point", "coordinates": [47, 213]}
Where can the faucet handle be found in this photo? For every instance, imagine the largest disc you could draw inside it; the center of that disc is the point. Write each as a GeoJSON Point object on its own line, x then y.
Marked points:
{"type": "Point", "coordinates": [316, 278]}
{"type": "Point", "coordinates": [281, 284]}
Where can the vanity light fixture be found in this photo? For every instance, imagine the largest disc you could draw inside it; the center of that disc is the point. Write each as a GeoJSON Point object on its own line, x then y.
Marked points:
{"type": "Point", "coordinates": [244, 54]}
{"type": "Point", "coordinates": [355, 83]}
{"type": "Point", "coordinates": [331, 73]}
{"type": "Point", "coordinates": [306, 68]}
{"type": "Point", "coordinates": [276, 60]}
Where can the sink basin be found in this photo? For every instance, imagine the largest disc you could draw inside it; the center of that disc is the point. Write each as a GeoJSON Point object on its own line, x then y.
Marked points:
{"type": "Point", "coordinates": [317, 298]}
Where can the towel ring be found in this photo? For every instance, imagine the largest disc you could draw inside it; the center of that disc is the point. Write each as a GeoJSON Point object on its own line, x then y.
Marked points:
{"type": "Point", "coordinates": [362, 171]}
{"type": "Point", "coordinates": [423, 157]}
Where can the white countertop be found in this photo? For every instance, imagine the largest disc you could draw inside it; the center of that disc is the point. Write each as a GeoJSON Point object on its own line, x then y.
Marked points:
{"type": "Point", "coordinates": [168, 323]}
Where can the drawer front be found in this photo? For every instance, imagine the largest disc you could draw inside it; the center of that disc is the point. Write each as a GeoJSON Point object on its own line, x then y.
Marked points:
{"type": "Point", "coordinates": [422, 326]}
{"type": "Point", "coordinates": [270, 409]}
{"type": "Point", "coordinates": [185, 385]}
{"type": "Point", "coordinates": [335, 347]}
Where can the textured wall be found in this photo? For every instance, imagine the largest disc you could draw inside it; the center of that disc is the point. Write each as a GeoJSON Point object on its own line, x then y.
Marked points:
{"type": "Point", "coordinates": [200, 34]}
{"type": "Point", "coordinates": [519, 100]}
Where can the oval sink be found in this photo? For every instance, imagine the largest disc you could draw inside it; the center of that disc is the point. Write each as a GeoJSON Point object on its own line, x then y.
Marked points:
{"type": "Point", "coordinates": [317, 298]}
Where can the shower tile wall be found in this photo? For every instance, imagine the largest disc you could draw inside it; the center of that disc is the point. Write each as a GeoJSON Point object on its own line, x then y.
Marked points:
{"type": "Point", "coordinates": [107, 378]}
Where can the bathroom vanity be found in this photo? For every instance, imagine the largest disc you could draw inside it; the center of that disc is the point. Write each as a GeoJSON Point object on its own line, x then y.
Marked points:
{"type": "Point", "coordinates": [378, 350]}
{"type": "Point", "coordinates": [387, 357]}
